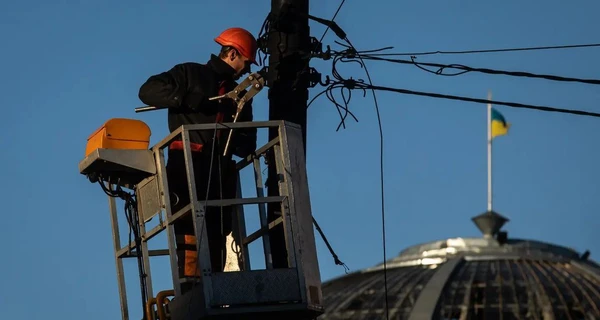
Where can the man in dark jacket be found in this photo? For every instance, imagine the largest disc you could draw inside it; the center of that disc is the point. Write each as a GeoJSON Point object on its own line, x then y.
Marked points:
{"type": "Point", "coordinates": [185, 90]}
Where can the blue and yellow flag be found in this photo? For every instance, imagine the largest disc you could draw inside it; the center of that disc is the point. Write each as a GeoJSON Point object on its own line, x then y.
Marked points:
{"type": "Point", "coordinates": [499, 126]}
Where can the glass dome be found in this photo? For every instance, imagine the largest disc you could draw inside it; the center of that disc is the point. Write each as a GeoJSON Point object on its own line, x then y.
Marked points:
{"type": "Point", "coordinates": [492, 277]}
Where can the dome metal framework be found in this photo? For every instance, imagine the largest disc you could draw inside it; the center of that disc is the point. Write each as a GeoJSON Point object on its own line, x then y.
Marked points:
{"type": "Point", "coordinates": [472, 278]}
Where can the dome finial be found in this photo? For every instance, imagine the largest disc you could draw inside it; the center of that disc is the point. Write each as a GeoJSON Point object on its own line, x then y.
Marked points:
{"type": "Point", "coordinates": [489, 223]}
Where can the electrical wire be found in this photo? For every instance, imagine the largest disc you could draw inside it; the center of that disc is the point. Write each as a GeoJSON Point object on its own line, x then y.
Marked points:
{"type": "Point", "coordinates": [350, 54]}
{"type": "Point", "coordinates": [327, 29]}
{"type": "Point", "coordinates": [468, 99]}
{"type": "Point", "coordinates": [381, 172]}
{"type": "Point", "coordinates": [491, 50]}
{"type": "Point", "coordinates": [263, 30]}
{"type": "Point", "coordinates": [358, 84]}
{"type": "Point", "coordinates": [341, 83]}
{"type": "Point", "coordinates": [371, 55]}
{"type": "Point", "coordinates": [351, 84]}
{"type": "Point", "coordinates": [336, 260]}
{"type": "Point", "coordinates": [134, 227]}
{"type": "Point", "coordinates": [320, 40]}
{"type": "Point", "coordinates": [466, 69]}
{"type": "Point", "coordinates": [329, 94]}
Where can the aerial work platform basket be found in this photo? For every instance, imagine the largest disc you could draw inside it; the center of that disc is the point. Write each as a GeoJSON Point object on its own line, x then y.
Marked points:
{"type": "Point", "coordinates": [117, 156]}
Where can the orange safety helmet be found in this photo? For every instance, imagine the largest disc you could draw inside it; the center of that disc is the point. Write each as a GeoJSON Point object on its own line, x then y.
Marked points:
{"type": "Point", "coordinates": [240, 39]}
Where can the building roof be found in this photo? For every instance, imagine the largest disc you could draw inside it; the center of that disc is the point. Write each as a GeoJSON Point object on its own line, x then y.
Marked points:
{"type": "Point", "coordinates": [453, 278]}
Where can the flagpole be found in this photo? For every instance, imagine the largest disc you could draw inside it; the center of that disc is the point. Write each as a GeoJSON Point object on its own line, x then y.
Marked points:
{"type": "Point", "coordinates": [489, 149]}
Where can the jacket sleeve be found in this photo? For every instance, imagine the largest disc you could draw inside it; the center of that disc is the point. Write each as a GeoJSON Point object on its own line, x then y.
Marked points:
{"type": "Point", "coordinates": [169, 89]}
{"type": "Point", "coordinates": [245, 142]}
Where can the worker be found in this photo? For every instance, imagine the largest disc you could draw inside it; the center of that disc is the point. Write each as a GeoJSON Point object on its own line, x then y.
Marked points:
{"type": "Point", "coordinates": [185, 90]}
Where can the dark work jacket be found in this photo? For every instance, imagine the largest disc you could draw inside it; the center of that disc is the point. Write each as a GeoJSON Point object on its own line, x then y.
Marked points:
{"type": "Point", "coordinates": [185, 90]}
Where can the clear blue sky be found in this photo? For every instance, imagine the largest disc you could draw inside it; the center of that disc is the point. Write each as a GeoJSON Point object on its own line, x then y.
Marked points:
{"type": "Point", "coordinates": [66, 68]}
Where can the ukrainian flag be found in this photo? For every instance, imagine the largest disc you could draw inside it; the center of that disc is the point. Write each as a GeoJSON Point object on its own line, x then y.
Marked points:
{"type": "Point", "coordinates": [499, 126]}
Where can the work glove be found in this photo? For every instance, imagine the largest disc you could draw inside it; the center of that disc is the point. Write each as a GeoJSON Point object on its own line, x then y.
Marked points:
{"type": "Point", "coordinates": [244, 144]}
{"type": "Point", "coordinates": [198, 101]}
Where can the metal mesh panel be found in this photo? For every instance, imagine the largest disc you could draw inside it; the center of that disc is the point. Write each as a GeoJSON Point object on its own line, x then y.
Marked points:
{"type": "Point", "coordinates": [149, 198]}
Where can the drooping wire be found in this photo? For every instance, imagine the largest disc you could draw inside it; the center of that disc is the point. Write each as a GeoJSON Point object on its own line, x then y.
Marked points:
{"type": "Point", "coordinates": [134, 227]}
{"type": "Point", "coordinates": [360, 85]}
{"type": "Point", "coordinates": [330, 86]}
{"type": "Point", "coordinates": [349, 85]}
{"type": "Point", "coordinates": [490, 50]}
{"type": "Point", "coordinates": [465, 69]}
{"type": "Point", "coordinates": [336, 260]}
{"type": "Point", "coordinates": [381, 172]}
{"type": "Point", "coordinates": [329, 93]}
{"type": "Point", "coordinates": [350, 54]}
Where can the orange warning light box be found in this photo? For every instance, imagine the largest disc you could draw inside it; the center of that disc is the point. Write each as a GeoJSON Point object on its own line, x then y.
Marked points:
{"type": "Point", "coordinates": [119, 133]}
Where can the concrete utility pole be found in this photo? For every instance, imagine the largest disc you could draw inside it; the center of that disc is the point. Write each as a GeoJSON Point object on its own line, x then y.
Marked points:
{"type": "Point", "coordinates": [288, 46]}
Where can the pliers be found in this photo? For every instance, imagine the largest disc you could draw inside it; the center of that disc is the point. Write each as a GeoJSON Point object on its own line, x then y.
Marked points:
{"type": "Point", "coordinates": [256, 82]}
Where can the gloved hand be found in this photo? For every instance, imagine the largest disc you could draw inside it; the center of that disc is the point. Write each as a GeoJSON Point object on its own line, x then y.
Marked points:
{"type": "Point", "coordinates": [244, 145]}
{"type": "Point", "coordinates": [198, 101]}
{"type": "Point", "coordinates": [244, 151]}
